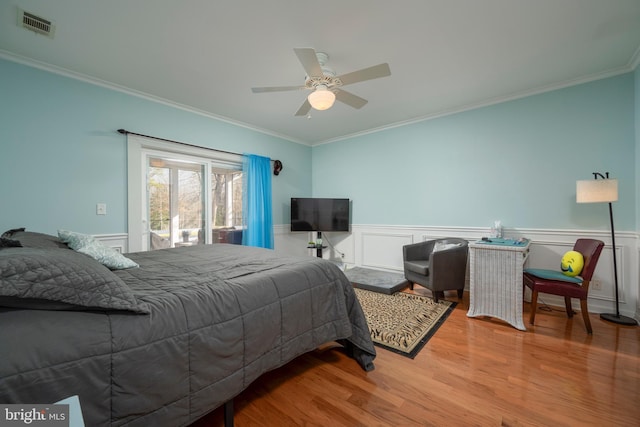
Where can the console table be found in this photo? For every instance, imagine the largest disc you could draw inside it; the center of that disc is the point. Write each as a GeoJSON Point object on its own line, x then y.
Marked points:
{"type": "Point", "coordinates": [495, 279]}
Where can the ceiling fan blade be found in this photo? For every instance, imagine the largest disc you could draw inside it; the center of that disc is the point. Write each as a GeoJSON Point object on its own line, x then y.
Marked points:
{"type": "Point", "coordinates": [350, 99]}
{"type": "Point", "coordinates": [304, 108]}
{"type": "Point", "coordinates": [275, 89]}
{"type": "Point", "coordinates": [377, 71]}
{"type": "Point", "coordinates": [309, 61]}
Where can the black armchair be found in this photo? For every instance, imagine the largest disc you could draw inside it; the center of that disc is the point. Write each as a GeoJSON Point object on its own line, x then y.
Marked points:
{"type": "Point", "coordinates": [439, 265]}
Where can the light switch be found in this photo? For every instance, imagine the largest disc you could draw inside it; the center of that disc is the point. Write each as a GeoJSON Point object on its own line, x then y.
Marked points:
{"type": "Point", "coordinates": [101, 209]}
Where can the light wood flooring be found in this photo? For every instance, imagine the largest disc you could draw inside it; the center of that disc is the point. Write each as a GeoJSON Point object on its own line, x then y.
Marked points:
{"type": "Point", "coordinates": [472, 372]}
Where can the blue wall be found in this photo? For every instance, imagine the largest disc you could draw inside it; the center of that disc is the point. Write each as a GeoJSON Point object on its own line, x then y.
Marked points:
{"type": "Point", "coordinates": [516, 161]}
{"type": "Point", "coordinates": [60, 153]}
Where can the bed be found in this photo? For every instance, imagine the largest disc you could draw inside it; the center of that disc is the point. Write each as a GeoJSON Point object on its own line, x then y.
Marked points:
{"type": "Point", "coordinates": [169, 339]}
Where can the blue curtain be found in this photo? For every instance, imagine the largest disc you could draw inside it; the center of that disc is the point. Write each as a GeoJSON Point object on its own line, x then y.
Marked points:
{"type": "Point", "coordinates": [257, 213]}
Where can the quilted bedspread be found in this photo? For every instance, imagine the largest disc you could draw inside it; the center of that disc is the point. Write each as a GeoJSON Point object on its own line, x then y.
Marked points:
{"type": "Point", "coordinates": [219, 317]}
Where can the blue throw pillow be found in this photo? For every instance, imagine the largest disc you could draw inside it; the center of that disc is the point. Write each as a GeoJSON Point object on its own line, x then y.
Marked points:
{"type": "Point", "coordinates": [552, 275]}
{"type": "Point", "coordinates": [88, 245]}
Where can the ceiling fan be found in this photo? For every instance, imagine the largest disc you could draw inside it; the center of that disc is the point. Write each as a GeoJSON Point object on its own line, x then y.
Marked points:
{"type": "Point", "coordinates": [326, 87]}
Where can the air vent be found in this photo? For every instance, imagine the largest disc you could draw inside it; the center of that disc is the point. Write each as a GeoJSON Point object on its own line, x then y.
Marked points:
{"type": "Point", "coordinates": [35, 23]}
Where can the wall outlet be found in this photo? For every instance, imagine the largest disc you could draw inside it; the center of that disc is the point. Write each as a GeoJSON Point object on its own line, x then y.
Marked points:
{"type": "Point", "coordinates": [596, 285]}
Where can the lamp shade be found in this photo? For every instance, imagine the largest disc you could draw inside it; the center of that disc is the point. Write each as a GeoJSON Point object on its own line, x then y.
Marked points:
{"type": "Point", "coordinates": [321, 98]}
{"type": "Point", "coordinates": [597, 191]}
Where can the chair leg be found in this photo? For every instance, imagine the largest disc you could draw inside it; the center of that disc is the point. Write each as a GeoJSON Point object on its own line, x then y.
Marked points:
{"type": "Point", "coordinates": [567, 306]}
{"type": "Point", "coordinates": [534, 305]}
{"type": "Point", "coordinates": [460, 294]}
{"type": "Point", "coordinates": [411, 285]}
{"type": "Point", "coordinates": [437, 296]}
{"type": "Point", "coordinates": [585, 315]}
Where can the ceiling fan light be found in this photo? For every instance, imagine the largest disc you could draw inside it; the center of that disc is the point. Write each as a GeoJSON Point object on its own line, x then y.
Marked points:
{"type": "Point", "coordinates": [321, 99]}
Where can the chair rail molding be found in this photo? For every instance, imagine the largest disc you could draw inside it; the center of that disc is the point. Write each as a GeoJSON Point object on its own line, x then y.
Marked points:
{"type": "Point", "coordinates": [380, 247]}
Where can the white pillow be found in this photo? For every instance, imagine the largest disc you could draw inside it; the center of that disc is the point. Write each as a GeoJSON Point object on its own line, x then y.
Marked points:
{"type": "Point", "coordinates": [442, 246]}
{"type": "Point", "coordinates": [88, 245]}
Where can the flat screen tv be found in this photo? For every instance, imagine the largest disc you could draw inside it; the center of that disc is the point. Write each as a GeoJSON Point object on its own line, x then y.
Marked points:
{"type": "Point", "coordinates": [315, 214]}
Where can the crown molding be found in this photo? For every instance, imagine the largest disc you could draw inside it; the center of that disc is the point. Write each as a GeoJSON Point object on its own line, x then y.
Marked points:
{"type": "Point", "coordinates": [9, 56]}
{"type": "Point", "coordinates": [631, 66]}
{"type": "Point", "coordinates": [497, 100]}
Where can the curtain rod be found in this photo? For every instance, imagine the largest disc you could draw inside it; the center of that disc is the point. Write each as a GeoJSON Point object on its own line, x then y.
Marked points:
{"type": "Point", "coordinates": [277, 164]}
{"type": "Point", "coordinates": [126, 132]}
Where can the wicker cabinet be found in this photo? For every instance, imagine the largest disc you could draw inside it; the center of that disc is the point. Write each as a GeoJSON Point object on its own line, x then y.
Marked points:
{"type": "Point", "coordinates": [495, 279]}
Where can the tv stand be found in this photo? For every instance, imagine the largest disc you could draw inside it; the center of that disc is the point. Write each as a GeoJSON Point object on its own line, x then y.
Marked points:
{"type": "Point", "coordinates": [319, 246]}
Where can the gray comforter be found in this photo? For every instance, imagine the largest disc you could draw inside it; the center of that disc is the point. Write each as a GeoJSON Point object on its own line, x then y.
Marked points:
{"type": "Point", "coordinates": [219, 317]}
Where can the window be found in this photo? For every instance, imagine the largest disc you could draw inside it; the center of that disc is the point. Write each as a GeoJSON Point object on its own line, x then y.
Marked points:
{"type": "Point", "coordinates": [226, 198]}
{"type": "Point", "coordinates": [175, 202]}
{"type": "Point", "coordinates": [177, 193]}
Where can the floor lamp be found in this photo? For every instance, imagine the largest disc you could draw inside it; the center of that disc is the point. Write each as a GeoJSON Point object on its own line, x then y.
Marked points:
{"type": "Point", "coordinates": [604, 190]}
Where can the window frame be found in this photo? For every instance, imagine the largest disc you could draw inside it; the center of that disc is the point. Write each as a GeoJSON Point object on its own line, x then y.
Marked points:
{"type": "Point", "coordinates": [139, 149]}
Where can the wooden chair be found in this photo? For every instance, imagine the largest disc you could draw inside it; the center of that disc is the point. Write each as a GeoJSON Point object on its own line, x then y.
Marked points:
{"type": "Point", "coordinates": [538, 281]}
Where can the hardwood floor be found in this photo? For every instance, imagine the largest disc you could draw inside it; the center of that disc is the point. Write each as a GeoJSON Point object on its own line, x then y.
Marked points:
{"type": "Point", "coordinates": [472, 372]}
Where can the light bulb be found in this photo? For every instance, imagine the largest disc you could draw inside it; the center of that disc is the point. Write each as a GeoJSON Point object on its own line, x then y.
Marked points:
{"type": "Point", "coordinates": [321, 98]}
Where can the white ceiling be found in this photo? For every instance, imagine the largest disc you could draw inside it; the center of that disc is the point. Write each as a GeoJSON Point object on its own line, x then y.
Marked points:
{"type": "Point", "coordinates": [445, 55]}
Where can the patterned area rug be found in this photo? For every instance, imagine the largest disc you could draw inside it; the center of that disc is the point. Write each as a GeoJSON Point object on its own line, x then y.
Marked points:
{"type": "Point", "coordinates": [402, 322]}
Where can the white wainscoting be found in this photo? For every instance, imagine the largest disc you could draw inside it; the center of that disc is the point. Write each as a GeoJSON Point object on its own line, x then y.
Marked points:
{"type": "Point", "coordinates": [381, 250]}
{"type": "Point", "coordinates": [380, 247]}
{"type": "Point", "coordinates": [119, 242]}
